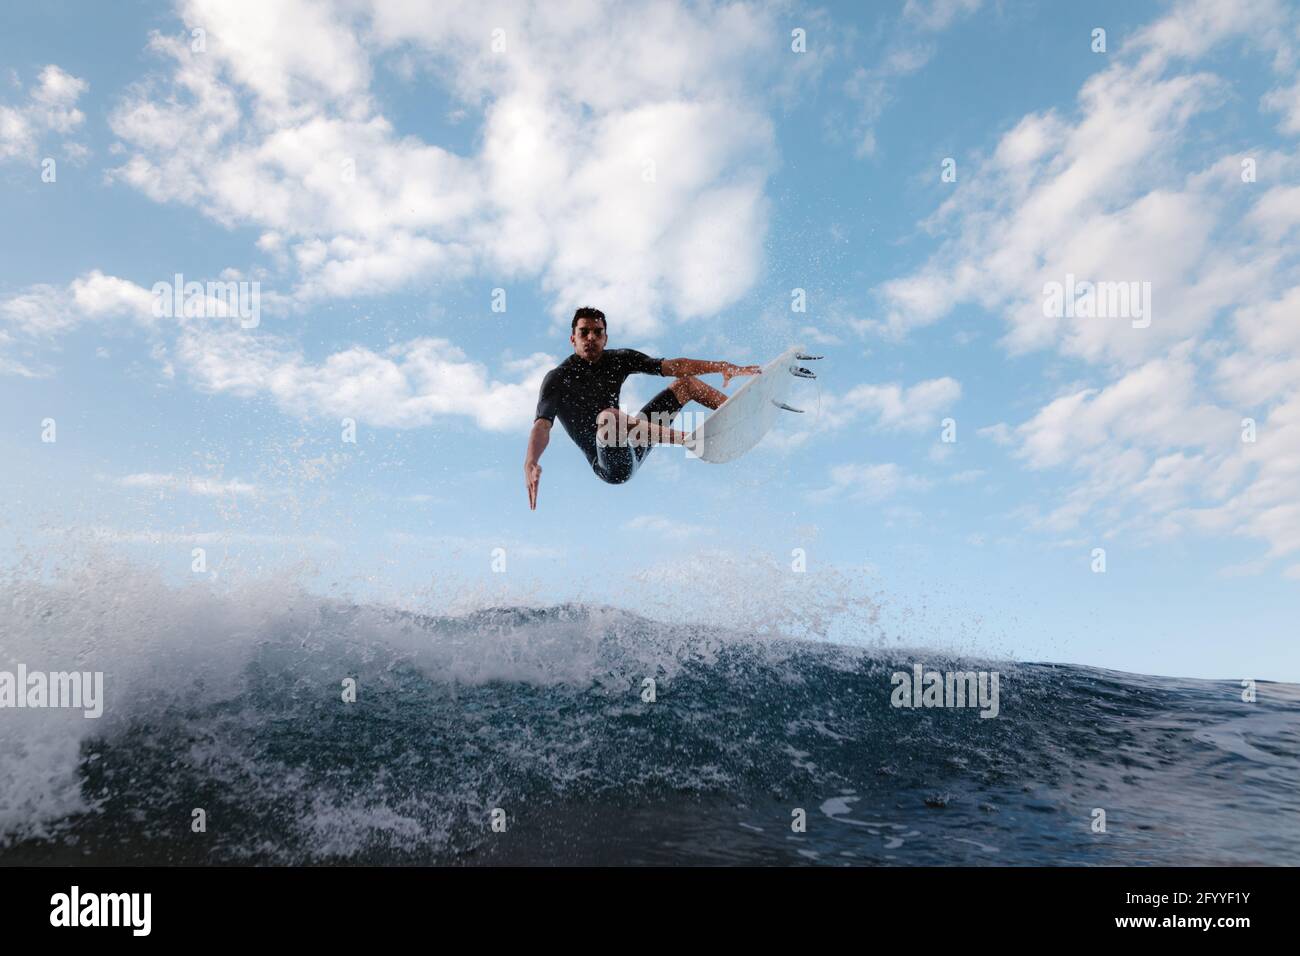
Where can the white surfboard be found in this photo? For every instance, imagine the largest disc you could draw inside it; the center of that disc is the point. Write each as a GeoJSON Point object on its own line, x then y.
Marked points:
{"type": "Point", "coordinates": [750, 413]}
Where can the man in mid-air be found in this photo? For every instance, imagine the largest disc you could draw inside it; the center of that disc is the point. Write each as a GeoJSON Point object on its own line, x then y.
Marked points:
{"type": "Point", "coordinates": [583, 391]}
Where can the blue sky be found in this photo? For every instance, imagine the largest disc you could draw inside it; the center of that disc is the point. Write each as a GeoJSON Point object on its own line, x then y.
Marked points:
{"type": "Point", "coordinates": [377, 170]}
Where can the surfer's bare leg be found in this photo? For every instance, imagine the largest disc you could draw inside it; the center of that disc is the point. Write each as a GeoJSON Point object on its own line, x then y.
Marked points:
{"type": "Point", "coordinates": [613, 423]}
{"type": "Point", "coordinates": [617, 427]}
{"type": "Point", "coordinates": [688, 388]}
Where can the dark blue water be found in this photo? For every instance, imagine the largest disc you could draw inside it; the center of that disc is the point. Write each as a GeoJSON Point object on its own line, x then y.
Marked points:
{"type": "Point", "coordinates": [539, 714]}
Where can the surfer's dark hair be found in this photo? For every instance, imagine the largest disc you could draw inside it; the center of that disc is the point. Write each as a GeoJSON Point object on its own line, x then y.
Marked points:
{"type": "Point", "coordinates": [587, 312]}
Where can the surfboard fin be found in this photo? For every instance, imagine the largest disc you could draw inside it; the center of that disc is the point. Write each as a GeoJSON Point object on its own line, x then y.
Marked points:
{"type": "Point", "coordinates": [786, 407]}
{"type": "Point", "coordinates": [799, 371]}
{"type": "Point", "coordinates": [807, 358]}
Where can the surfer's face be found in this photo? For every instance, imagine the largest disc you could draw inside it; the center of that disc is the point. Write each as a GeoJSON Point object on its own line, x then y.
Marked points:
{"type": "Point", "coordinates": [588, 339]}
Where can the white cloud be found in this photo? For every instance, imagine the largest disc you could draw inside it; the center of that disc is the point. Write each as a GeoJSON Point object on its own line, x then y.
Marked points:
{"type": "Point", "coordinates": [999, 434]}
{"type": "Point", "coordinates": [894, 407]}
{"type": "Point", "coordinates": [910, 47]}
{"type": "Point", "coordinates": [407, 385]}
{"type": "Point", "coordinates": [890, 408]}
{"type": "Point", "coordinates": [1265, 367]}
{"type": "Point", "coordinates": [938, 14]}
{"type": "Point", "coordinates": [1101, 198]}
{"type": "Point", "coordinates": [50, 109]}
{"type": "Point", "coordinates": [1122, 192]}
{"type": "Point", "coordinates": [664, 527]}
{"type": "Point", "coordinates": [46, 311]}
{"type": "Point", "coordinates": [42, 313]}
{"type": "Point", "coordinates": [1277, 212]}
{"type": "Point", "coordinates": [10, 365]}
{"type": "Point", "coordinates": [1155, 406]}
{"type": "Point", "coordinates": [810, 333]}
{"type": "Point", "coordinates": [1156, 461]}
{"type": "Point", "coordinates": [39, 314]}
{"type": "Point", "coordinates": [867, 482]}
{"type": "Point", "coordinates": [191, 484]}
{"type": "Point", "coordinates": [623, 152]}
{"type": "Point", "coordinates": [455, 544]}
{"type": "Point", "coordinates": [145, 536]}
{"type": "Point", "coordinates": [1286, 101]}
{"type": "Point", "coordinates": [1263, 504]}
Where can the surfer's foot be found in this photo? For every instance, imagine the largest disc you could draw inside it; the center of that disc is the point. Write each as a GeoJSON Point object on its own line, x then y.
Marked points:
{"type": "Point", "coordinates": [688, 388]}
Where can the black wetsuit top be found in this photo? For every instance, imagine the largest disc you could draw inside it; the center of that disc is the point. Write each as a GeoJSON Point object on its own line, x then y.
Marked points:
{"type": "Point", "coordinates": [577, 391]}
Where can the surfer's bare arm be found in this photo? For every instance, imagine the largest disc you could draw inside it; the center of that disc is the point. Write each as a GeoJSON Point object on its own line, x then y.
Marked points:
{"type": "Point", "coordinates": [684, 366]}
{"type": "Point", "coordinates": [537, 441]}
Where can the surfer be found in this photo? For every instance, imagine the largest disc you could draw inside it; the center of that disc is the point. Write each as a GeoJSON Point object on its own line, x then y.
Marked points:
{"type": "Point", "coordinates": [583, 391]}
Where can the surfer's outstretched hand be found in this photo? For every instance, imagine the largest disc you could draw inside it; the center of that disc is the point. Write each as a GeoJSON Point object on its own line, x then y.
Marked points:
{"type": "Point", "coordinates": [532, 475]}
{"type": "Point", "coordinates": [731, 371]}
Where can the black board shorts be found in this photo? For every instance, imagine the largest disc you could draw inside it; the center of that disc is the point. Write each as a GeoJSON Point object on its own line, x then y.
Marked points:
{"type": "Point", "coordinates": [618, 463]}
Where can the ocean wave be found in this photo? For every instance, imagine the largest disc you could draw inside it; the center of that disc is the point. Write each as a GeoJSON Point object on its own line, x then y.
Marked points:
{"type": "Point", "coordinates": [593, 734]}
